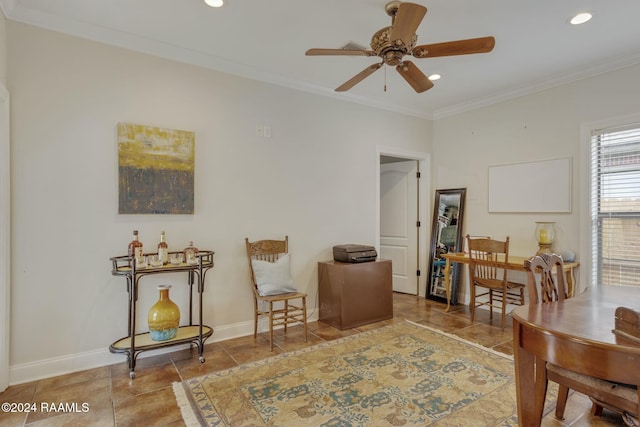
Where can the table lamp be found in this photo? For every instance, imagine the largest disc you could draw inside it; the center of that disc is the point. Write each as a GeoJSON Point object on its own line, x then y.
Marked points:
{"type": "Point", "coordinates": [545, 233]}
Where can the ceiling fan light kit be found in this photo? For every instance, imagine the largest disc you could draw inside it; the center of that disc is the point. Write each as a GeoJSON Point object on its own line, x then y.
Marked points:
{"type": "Point", "coordinates": [392, 43]}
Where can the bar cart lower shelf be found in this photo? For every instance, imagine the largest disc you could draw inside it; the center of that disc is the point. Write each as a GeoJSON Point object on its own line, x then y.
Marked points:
{"type": "Point", "coordinates": [194, 334]}
{"type": "Point", "coordinates": [185, 335]}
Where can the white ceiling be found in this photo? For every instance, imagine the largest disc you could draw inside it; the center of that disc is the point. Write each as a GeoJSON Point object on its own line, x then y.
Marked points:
{"type": "Point", "coordinates": [266, 40]}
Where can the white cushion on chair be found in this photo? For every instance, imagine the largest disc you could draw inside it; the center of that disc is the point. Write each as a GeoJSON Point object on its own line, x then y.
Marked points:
{"type": "Point", "coordinates": [273, 278]}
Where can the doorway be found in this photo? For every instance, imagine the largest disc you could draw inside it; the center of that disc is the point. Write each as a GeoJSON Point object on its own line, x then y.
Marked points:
{"type": "Point", "coordinates": [401, 234]}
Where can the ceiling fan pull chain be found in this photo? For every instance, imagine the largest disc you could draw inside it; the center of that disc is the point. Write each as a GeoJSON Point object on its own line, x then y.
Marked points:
{"type": "Point", "coordinates": [385, 78]}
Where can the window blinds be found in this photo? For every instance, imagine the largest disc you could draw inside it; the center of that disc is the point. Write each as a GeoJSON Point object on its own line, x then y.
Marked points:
{"type": "Point", "coordinates": [615, 205]}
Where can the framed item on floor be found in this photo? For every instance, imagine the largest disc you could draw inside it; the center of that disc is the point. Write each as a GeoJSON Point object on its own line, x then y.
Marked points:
{"type": "Point", "coordinates": [446, 236]}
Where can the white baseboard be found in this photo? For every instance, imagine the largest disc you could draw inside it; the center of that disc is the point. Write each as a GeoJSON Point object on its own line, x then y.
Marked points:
{"type": "Point", "coordinates": [55, 366]}
{"type": "Point", "coordinates": [46, 368]}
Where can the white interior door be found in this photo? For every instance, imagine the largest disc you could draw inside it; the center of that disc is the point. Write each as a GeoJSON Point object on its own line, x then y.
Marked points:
{"type": "Point", "coordinates": [398, 222]}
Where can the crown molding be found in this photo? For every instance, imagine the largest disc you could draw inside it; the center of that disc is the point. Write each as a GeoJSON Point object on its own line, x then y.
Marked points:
{"type": "Point", "coordinates": [14, 11]}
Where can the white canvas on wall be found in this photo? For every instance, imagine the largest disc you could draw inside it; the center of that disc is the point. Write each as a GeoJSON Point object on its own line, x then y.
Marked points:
{"type": "Point", "coordinates": [541, 186]}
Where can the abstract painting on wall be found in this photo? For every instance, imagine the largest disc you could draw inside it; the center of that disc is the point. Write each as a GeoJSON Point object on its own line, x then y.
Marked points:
{"type": "Point", "coordinates": [156, 170]}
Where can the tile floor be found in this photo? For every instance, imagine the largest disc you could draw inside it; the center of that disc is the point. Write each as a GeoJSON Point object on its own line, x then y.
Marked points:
{"type": "Point", "coordinates": [115, 400]}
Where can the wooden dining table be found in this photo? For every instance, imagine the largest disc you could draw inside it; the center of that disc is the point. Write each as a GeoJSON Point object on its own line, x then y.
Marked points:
{"type": "Point", "coordinates": [515, 263]}
{"type": "Point", "coordinates": [576, 334]}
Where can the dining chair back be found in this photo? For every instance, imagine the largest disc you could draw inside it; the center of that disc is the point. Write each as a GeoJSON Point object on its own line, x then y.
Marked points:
{"type": "Point", "coordinates": [548, 289]}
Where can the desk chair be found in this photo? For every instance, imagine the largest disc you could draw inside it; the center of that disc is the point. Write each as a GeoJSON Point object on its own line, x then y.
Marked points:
{"type": "Point", "coordinates": [273, 285]}
{"type": "Point", "coordinates": [488, 261]}
{"type": "Point", "coordinates": [619, 398]}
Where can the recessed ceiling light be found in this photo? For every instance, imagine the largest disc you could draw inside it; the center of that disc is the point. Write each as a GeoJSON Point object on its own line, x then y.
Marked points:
{"type": "Point", "coordinates": [581, 18]}
{"type": "Point", "coordinates": [433, 77]}
{"type": "Point", "coordinates": [214, 3]}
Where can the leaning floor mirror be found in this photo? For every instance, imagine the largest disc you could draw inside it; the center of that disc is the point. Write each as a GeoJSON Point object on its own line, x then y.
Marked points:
{"type": "Point", "coordinates": [446, 237]}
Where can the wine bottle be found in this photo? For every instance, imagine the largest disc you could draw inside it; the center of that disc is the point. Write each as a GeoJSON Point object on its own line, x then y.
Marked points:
{"type": "Point", "coordinates": [163, 249]}
{"type": "Point", "coordinates": [190, 253]}
{"type": "Point", "coordinates": [135, 247]}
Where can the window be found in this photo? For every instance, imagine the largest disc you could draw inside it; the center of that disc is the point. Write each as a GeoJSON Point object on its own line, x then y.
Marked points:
{"type": "Point", "coordinates": [615, 206]}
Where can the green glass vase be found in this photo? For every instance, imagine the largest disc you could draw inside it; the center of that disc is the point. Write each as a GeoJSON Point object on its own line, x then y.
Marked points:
{"type": "Point", "coordinates": [164, 316]}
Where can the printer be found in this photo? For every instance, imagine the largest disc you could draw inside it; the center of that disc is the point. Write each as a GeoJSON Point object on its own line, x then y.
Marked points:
{"type": "Point", "coordinates": [354, 253]}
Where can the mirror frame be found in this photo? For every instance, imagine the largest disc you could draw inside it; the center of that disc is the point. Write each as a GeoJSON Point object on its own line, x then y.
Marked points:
{"type": "Point", "coordinates": [438, 248]}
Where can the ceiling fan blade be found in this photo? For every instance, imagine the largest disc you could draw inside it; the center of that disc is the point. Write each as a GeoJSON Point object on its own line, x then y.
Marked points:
{"type": "Point", "coordinates": [416, 78]}
{"type": "Point", "coordinates": [459, 47]}
{"type": "Point", "coordinates": [345, 52]}
{"type": "Point", "coordinates": [358, 77]}
{"type": "Point", "coordinates": [406, 22]}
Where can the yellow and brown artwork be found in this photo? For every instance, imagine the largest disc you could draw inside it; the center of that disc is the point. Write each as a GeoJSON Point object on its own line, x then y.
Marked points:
{"type": "Point", "coordinates": [156, 170]}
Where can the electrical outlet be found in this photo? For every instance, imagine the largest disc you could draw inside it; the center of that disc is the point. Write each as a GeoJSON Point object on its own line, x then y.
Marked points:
{"type": "Point", "coordinates": [259, 131]}
{"type": "Point", "coordinates": [267, 131]}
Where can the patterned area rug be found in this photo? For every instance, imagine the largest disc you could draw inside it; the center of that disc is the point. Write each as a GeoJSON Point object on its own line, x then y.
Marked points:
{"type": "Point", "coordinates": [399, 375]}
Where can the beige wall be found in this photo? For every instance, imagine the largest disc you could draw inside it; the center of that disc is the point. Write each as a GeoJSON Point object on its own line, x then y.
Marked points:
{"type": "Point", "coordinates": [314, 180]}
{"type": "Point", "coordinates": [3, 50]}
{"type": "Point", "coordinates": [541, 126]}
{"type": "Point", "coordinates": [5, 210]}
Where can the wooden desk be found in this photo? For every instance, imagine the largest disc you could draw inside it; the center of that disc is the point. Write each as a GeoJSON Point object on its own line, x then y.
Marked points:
{"type": "Point", "coordinates": [574, 334]}
{"type": "Point", "coordinates": [516, 263]}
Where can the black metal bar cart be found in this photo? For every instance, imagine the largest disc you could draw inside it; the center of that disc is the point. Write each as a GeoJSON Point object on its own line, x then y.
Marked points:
{"type": "Point", "coordinates": [193, 333]}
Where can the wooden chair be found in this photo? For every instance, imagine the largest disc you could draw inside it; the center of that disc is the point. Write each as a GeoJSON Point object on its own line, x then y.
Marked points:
{"type": "Point", "coordinates": [551, 288]}
{"type": "Point", "coordinates": [488, 260]}
{"type": "Point", "coordinates": [548, 289]}
{"type": "Point", "coordinates": [288, 313]}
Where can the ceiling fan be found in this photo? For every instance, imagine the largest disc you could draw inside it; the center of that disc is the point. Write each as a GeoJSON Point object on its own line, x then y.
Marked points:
{"type": "Point", "coordinates": [392, 43]}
